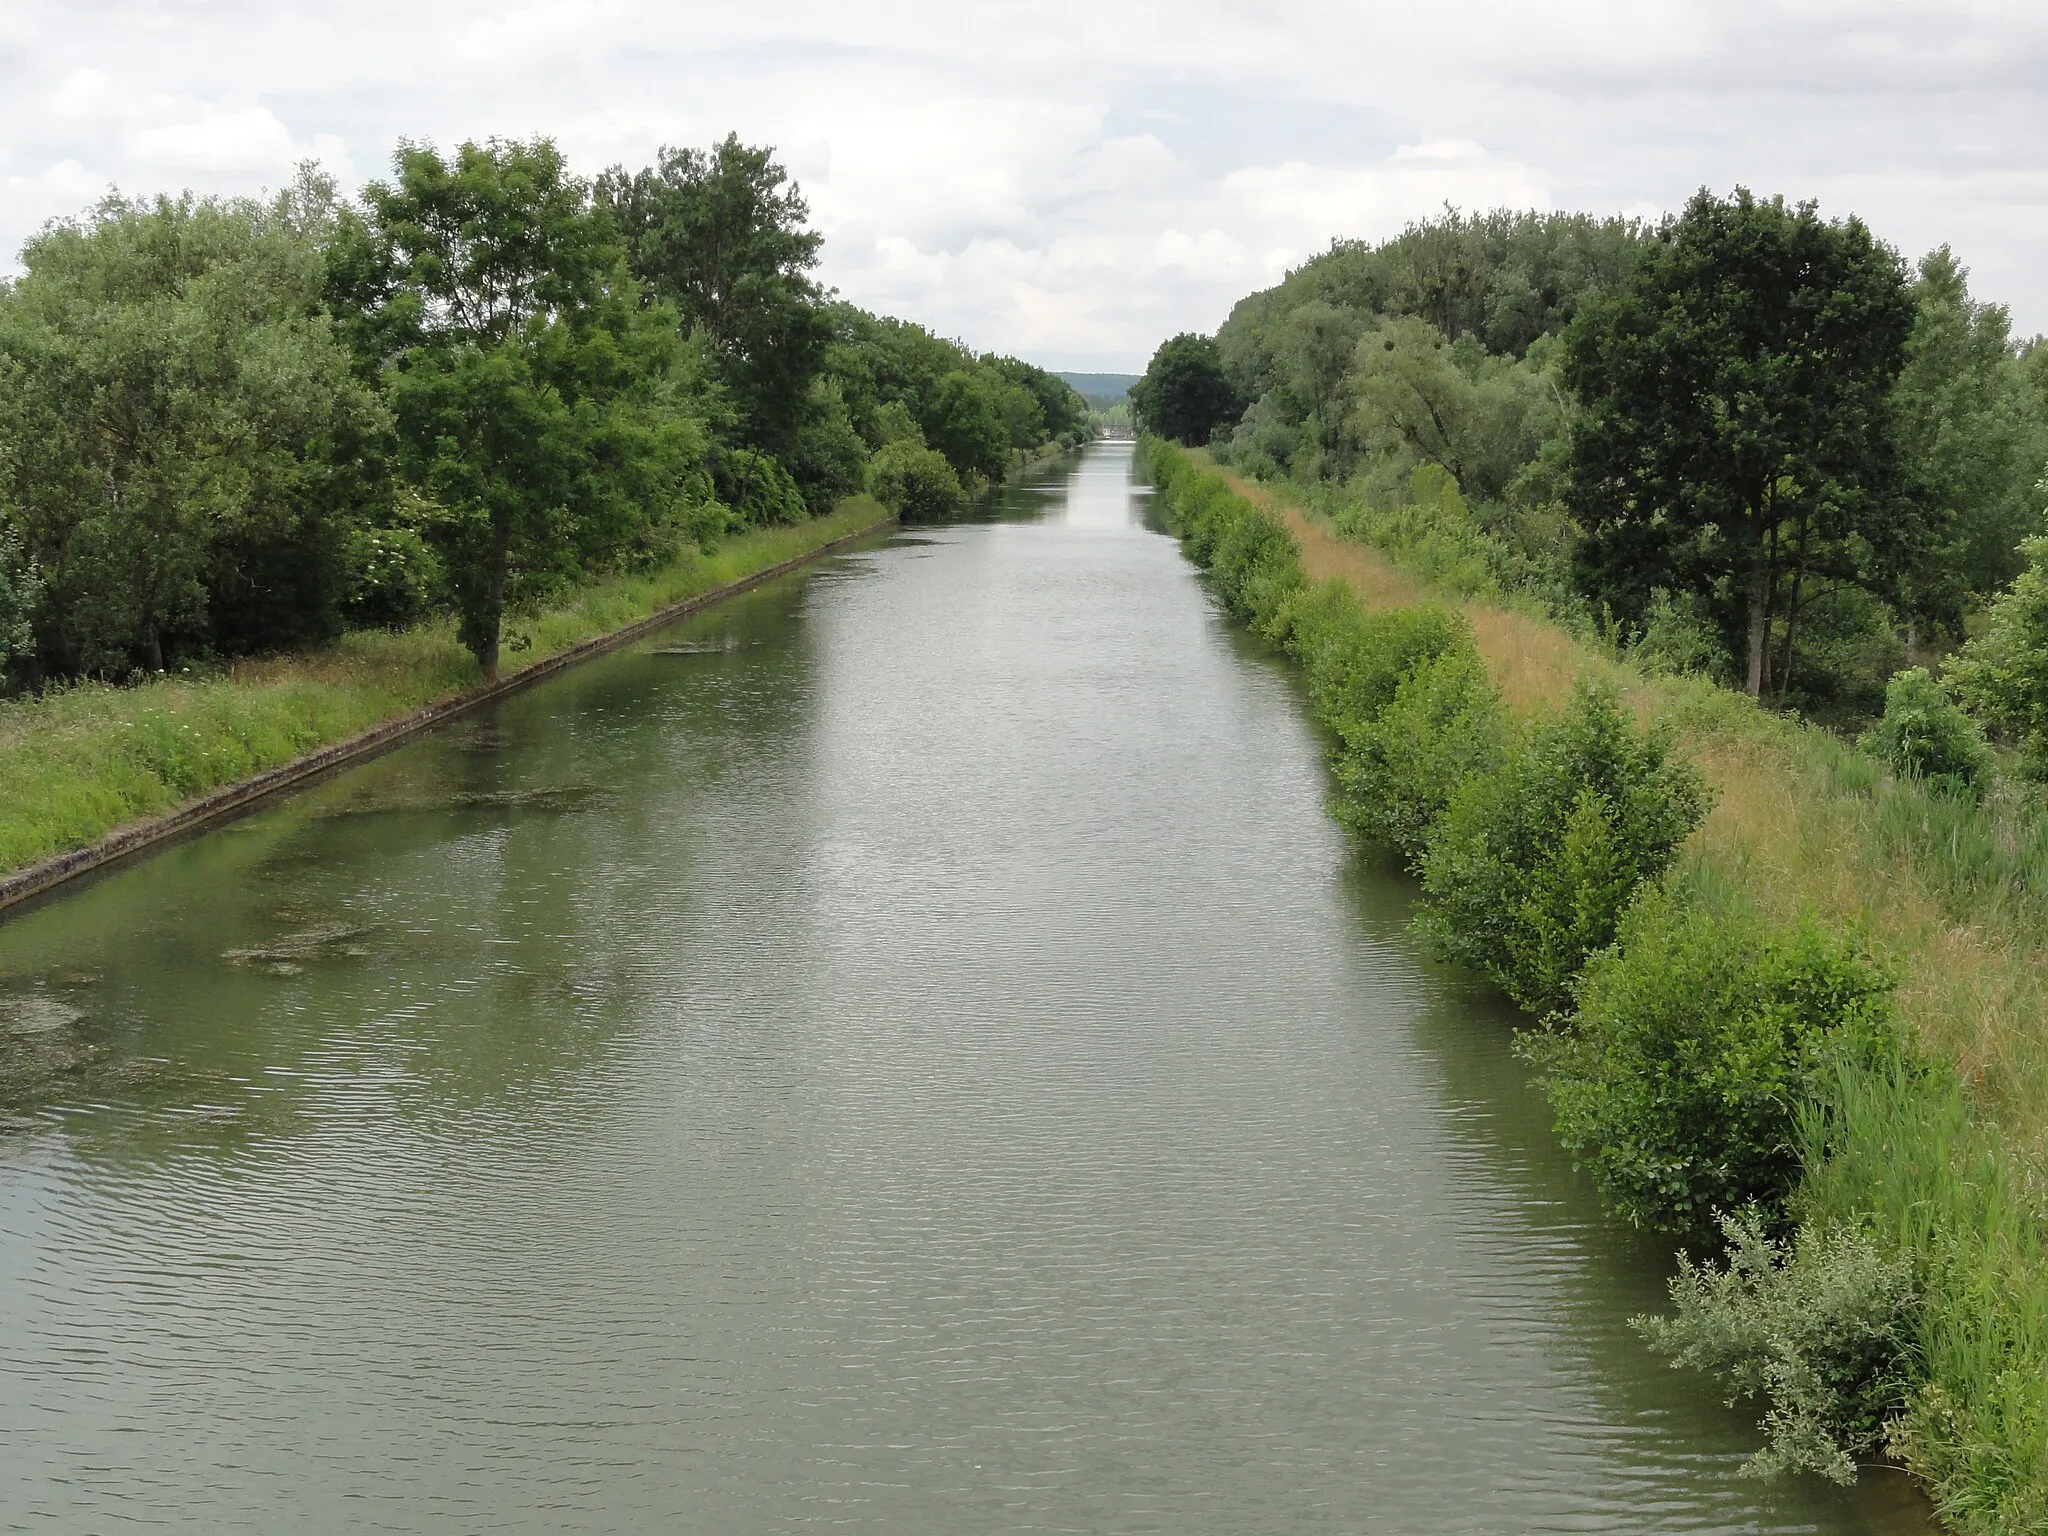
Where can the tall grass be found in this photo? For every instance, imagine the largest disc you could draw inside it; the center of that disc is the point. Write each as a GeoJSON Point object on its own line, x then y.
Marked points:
{"type": "Point", "coordinates": [81, 762]}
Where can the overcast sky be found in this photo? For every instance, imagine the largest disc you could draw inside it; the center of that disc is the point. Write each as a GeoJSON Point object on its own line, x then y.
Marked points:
{"type": "Point", "coordinates": [1071, 182]}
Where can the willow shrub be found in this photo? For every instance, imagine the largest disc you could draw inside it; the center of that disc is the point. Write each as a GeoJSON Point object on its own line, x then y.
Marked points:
{"type": "Point", "coordinates": [1443, 726]}
{"type": "Point", "coordinates": [1822, 1329]}
{"type": "Point", "coordinates": [1530, 866]}
{"type": "Point", "coordinates": [1697, 1041]}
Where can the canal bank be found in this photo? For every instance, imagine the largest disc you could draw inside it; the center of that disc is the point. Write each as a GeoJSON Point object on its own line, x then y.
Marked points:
{"type": "Point", "coordinates": [905, 1048]}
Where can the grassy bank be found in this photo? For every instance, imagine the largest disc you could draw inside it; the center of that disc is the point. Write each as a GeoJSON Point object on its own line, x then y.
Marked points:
{"type": "Point", "coordinates": [85, 761]}
{"type": "Point", "coordinates": [1941, 1164]}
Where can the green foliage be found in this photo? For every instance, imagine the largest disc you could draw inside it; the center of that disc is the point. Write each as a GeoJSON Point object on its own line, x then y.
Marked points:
{"type": "Point", "coordinates": [965, 422]}
{"type": "Point", "coordinates": [1530, 867]}
{"type": "Point", "coordinates": [721, 235]}
{"type": "Point", "coordinates": [2001, 675]}
{"type": "Point", "coordinates": [1432, 533]}
{"type": "Point", "coordinates": [1417, 399]}
{"type": "Point", "coordinates": [1822, 1329]}
{"type": "Point", "coordinates": [180, 431]}
{"type": "Point", "coordinates": [20, 586]}
{"type": "Point", "coordinates": [1184, 394]}
{"type": "Point", "coordinates": [1900, 1151]}
{"type": "Point", "coordinates": [759, 492]}
{"type": "Point", "coordinates": [1737, 439]}
{"type": "Point", "coordinates": [1972, 444]}
{"type": "Point", "coordinates": [913, 481]}
{"type": "Point", "coordinates": [395, 577]}
{"type": "Point", "coordinates": [1697, 1041]}
{"type": "Point", "coordinates": [1443, 726]}
{"type": "Point", "coordinates": [1923, 735]}
{"type": "Point", "coordinates": [536, 402]}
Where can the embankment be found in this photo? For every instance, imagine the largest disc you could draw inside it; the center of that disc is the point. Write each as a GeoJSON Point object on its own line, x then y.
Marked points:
{"type": "Point", "coordinates": [1936, 1158]}
{"type": "Point", "coordinates": [97, 772]}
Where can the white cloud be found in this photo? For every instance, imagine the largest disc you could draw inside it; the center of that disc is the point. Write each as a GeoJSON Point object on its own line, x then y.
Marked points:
{"type": "Point", "coordinates": [1072, 180]}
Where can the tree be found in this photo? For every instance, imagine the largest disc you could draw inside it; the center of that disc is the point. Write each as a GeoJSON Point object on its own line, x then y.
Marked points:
{"type": "Point", "coordinates": [527, 381]}
{"type": "Point", "coordinates": [180, 430]}
{"type": "Point", "coordinates": [1738, 440]}
{"type": "Point", "coordinates": [1971, 448]}
{"type": "Point", "coordinates": [1184, 394]}
{"type": "Point", "coordinates": [965, 423]}
{"type": "Point", "coordinates": [721, 235]}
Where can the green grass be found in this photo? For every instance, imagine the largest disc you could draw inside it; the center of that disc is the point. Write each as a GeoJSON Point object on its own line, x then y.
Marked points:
{"type": "Point", "coordinates": [84, 761]}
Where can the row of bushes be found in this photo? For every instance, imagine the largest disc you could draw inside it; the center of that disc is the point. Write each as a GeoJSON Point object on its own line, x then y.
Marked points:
{"type": "Point", "coordinates": [1740, 1086]}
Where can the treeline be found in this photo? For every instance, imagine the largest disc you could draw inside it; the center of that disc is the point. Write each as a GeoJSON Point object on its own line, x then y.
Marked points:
{"type": "Point", "coordinates": [233, 426]}
{"type": "Point", "coordinates": [1747, 440]}
{"type": "Point", "coordinates": [1746, 1087]}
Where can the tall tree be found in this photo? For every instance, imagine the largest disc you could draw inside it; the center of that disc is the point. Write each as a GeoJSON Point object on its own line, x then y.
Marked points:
{"type": "Point", "coordinates": [722, 235]}
{"type": "Point", "coordinates": [1972, 448]}
{"type": "Point", "coordinates": [178, 429]}
{"type": "Point", "coordinates": [1738, 440]}
{"type": "Point", "coordinates": [1184, 394]}
{"type": "Point", "coordinates": [524, 376]}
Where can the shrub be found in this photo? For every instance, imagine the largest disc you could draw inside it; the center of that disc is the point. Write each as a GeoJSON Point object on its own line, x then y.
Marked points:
{"type": "Point", "coordinates": [2002, 674]}
{"type": "Point", "coordinates": [1924, 735]}
{"type": "Point", "coordinates": [1820, 1329]}
{"type": "Point", "coordinates": [1700, 1039]}
{"type": "Point", "coordinates": [1528, 870]}
{"type": "Point", "coordinates": [913, 481]}
{"type": "Point", "coordinates": [1443, 726]}
{"type": "Point", "coordinates": [757, 488]}
{"type": "Point", "coordinates": [1433, 534]}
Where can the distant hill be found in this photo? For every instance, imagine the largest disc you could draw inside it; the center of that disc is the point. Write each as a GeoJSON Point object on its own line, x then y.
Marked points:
{"type": "Point", "coordinates": [1102, 390]}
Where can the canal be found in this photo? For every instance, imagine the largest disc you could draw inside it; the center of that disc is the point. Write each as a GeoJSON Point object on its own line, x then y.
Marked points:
{"type": "Point", "coordinates": [903, 1051]}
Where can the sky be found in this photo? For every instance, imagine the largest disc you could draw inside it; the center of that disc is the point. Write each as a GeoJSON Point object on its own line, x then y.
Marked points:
{"type": "Point", "coordinates": [1072, 182]}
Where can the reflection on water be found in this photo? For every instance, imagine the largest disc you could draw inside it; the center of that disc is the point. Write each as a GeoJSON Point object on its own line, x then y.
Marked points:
{"type": "Point", "coordinates": [903, 1051]}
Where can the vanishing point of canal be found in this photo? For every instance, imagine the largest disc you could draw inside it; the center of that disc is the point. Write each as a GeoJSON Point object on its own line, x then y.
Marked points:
{"type": "Point", "coordinates": [903, 1051]}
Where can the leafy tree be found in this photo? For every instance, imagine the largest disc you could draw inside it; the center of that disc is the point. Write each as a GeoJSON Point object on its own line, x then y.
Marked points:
{"type": "Point", "coordinates": [180, 433]}
{"type": "Point", "coordinates": [524, 375]}
{"type": "Point", "coordinates": [1971, 442]}
{"type": "Point", "coordinates": [965, 423]}
{"type": "Point", "coordinates": [722, 236]}
{"type": "Point", "coordinates": [913, 481]}
{"type": "Point", "coordinates": [1419, 399]}
{"type": "Point", "coordinates": [1184, 394]}
{"type": "Point", "coordinates": [1737, 441]}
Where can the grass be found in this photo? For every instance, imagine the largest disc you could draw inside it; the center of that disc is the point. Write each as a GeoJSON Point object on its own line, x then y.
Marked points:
{"type": "Point", "coordinates": [84, 761]}
{"type": "Point", "coordinates": [1951, 1165]}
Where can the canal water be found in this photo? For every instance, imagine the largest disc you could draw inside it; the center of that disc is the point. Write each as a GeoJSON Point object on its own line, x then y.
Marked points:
{"type": "Point", "coordinates": [901, 1052]}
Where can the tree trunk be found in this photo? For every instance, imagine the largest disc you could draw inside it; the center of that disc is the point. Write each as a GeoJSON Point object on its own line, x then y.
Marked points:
{"type": "Point", "coordinates": [487, 653]}
{"type": "Point", "coordinates": [1759, 618]}
{"type": "Point", "coordinates": [152, 647]}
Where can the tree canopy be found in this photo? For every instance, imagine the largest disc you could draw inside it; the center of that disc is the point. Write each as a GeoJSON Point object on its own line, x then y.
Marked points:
{"type": "Point", "coordinates": [1736, 440]}
{"type": "Point", "coordinates": [1184, 394]}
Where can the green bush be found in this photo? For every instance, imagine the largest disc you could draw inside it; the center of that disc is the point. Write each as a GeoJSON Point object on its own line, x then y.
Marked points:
{"type": "Point", "coordinates": [1924, 735]}
{"type": "Point", "coordinates": [1699, 1040]}
{"type": "Point", "coordinates": [913, 481]}
{"type": "Point", "coordinates": [1528, 870]}
{"type": "Point", "coordinates": [1443, 726]}
{"type": "Point", "coordinates": [1434, 534]}
{"type": "Point", "coordinates": [1821, 1329]}
{"type": "Point", "coordinates": [2001, 676]}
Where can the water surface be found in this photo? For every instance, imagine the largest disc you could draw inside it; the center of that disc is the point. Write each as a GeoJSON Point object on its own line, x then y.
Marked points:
{"type": "Point", "coordinates": [902, 1052]}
